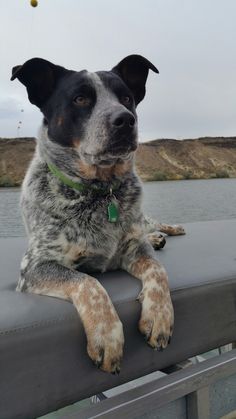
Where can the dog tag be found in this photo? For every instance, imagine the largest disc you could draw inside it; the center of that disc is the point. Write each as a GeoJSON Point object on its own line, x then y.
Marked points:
{"type": "Point", "coordinates": [113, 212]}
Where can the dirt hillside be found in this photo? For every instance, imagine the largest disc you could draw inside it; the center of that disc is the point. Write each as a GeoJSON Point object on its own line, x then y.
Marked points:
{"type": "Point", "coordinates": [155, 160]}
{"type": "Point", "coordinates": [187, 159]}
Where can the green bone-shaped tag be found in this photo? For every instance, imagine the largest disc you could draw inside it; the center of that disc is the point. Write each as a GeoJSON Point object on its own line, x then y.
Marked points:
{"type": "Point", "coordinates": [113, 213]}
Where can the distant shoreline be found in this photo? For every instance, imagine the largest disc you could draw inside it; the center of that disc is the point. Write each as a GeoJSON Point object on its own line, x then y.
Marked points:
{"type": "Point", "coordinates": [157, 160]}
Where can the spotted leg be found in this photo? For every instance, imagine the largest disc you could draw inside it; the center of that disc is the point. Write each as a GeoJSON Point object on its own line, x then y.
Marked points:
{"type": "Point", "coordinates": [151, 226]}
{"type": "Point", "coordinates": [102, 325]}
{"type": "Point", "coordinates": [157, 315]}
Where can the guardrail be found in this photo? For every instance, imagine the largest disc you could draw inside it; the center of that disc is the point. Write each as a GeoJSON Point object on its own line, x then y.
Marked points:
{"type": "Point", "coordinates": [194, 383]}
{"type": "Point", "coordinates": [43, 362]}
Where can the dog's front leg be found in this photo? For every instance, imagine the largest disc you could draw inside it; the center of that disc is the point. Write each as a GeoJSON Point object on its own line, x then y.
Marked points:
{"type": "Point", "coordinates": [102, 325]}
{"type": "Point", "coordinates": [157, 316]}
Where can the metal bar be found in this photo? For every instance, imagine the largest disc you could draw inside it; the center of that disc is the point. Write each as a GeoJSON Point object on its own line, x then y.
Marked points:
{"type": "Point", "coordinates": [153, 395]}
{"type": "Point", "coordinates": [176, 367]}
{"type": "Point", "coordinates": [198, 404]}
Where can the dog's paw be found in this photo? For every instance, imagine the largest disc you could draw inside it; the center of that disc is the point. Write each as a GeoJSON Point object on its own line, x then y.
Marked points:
{"type": "Point", "coordinates": [157, 240]}
{"type": "Point", "coordinates": [157, 320]}
{"type": "Point", "coordinates": [105, 346]}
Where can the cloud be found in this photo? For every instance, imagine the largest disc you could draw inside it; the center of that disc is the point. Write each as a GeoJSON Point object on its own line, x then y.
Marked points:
{"type": "Point", "coordinates": [16, 112]}
{"type": "Point", "coordinates": [10, 107]}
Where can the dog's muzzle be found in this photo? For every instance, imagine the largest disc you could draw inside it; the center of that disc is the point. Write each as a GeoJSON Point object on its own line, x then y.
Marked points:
{"type": "Point", "coordinates": [123, 131]}
{"type": "Point", "coordinates": [123, 122]}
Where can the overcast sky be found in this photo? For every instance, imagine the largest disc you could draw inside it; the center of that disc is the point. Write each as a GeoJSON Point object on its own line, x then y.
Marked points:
{"type": "Point", "coordinates": [191, 42]}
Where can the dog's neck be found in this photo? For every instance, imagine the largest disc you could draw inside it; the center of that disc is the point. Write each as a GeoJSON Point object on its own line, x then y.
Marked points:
{"type": "Point", "coordinates": [118, 170]}
{"type": "Point", "coordinates": [67, 161]}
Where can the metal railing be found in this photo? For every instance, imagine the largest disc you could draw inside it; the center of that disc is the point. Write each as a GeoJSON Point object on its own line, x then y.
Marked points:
{"type": "Point", "coordinates": [193, 383]}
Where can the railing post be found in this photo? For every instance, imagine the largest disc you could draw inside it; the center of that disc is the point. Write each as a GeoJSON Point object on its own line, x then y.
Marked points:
{"type": "Point", "coordinates": [198, 404]}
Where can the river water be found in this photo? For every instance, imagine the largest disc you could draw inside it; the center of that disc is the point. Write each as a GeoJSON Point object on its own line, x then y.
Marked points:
{"type": "Point", "coordinates": [170, 201]}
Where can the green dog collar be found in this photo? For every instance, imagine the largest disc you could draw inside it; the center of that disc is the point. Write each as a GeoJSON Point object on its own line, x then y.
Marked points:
{"type": "Point", "coordinates": [80, 186]}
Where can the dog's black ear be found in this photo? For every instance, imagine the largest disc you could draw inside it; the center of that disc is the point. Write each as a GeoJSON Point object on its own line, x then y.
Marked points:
{"type": "Point", "coordinates": [40, 78]}
{"type": "Point", "coordinates": [134, 71]}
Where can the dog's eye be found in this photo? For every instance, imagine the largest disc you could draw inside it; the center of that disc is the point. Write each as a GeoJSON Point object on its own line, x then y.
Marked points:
{"type": "Point", "coordinates": [126, 100]}
{"type": "Point", "coordinates": [82, 100]}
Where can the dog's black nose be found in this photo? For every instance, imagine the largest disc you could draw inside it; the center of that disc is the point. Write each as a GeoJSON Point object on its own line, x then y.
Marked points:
{"type": "Point", "coordinates": [123, 120]}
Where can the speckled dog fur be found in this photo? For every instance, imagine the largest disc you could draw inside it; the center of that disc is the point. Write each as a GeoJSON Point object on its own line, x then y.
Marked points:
{"type": "Point", "coordinates": [89, 133]}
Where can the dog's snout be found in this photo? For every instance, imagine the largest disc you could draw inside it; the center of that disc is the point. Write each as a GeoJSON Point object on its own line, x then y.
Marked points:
{"type": "Point", "coordinates": [123, 134]}
{"type": "Point", "coordinates": [123, 120]}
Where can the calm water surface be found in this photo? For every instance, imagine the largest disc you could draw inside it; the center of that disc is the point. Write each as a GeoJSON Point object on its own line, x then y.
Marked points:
{"type": "Point", "coordinates": [171, 202]}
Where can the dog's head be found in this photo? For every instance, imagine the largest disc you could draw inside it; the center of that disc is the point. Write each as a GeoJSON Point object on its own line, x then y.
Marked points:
{"type": "Point", "coordinates": [93, 113]}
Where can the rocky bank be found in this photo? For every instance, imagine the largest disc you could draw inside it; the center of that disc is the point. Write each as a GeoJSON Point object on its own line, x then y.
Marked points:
{"type": "Point", "coordinates": [164, 159]}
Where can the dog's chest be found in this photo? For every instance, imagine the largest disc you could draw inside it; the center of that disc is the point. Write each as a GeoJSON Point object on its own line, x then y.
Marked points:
{"type": "Point", "coordinates": [90, 240]}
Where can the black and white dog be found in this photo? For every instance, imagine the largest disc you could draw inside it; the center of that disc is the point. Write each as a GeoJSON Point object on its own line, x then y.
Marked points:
{"type": "Point", "coordinates": [81, 201]}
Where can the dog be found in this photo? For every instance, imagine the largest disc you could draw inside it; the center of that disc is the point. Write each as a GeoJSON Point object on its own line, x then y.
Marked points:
{"type": "Point", "coordinates": [81, 202]}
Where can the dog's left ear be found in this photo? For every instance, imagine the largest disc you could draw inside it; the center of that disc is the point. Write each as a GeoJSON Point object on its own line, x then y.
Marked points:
{"type": "Point", "coordinates": [134, 71]}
